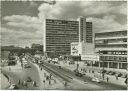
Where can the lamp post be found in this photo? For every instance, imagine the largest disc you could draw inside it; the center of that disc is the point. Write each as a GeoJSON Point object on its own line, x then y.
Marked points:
{"type": "Point", "coordinates": [102, 65]}
{"type": "Point", "coordinates": [77, 63]}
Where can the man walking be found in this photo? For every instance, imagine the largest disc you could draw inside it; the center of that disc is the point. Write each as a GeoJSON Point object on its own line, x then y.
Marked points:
{"type": "Point", "coordinates": [107, 79]}
{"type": "Point", "coordinates": [126, 81]}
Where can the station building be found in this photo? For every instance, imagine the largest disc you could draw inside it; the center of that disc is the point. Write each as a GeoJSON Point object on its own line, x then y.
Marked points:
{"type": "Point", "coordinates": [112, 48]}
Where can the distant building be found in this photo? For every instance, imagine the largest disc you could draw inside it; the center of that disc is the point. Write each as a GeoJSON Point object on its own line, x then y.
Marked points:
{"type": "Point", "coordinates": [59, 34]}
{"type": "Point", "coordinates": [37, 47]}
{"type": "Point", "coordinates": [112, 48]}
{"type": "Point", "coordinates": [5, 55]}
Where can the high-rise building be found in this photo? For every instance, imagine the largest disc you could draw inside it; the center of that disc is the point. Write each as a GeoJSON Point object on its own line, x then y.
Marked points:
{"type": "Point", "coordinates": [59, 34]}
{"type": "Point", "coordinates": [112, 48]}
{"type": "Point", "coordinates": [85, 30]}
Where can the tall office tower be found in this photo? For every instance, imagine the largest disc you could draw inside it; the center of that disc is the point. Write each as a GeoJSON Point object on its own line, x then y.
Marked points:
{"type": "Point", "coordinates": [85, 30]}
{"type": "Point", "coordinates": [112, 48]}
{"type": "Point", "coordinates": [59, 34]}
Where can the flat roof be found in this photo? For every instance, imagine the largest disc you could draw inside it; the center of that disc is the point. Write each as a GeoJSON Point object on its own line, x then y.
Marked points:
{"type": "Point", "coordinates": [111, 31]}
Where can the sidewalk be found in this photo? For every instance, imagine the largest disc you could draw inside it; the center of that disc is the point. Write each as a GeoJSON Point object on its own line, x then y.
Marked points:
{"type": "Point", "coordinates": [112, 79]}
{"type": "Point", "coordinates": [4, 84]}
{"type": "Point", "coordinates": [52, 83]}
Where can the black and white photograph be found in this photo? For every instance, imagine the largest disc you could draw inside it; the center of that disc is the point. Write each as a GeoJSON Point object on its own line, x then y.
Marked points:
{"type": "Point", "coordinates": [63, 45]}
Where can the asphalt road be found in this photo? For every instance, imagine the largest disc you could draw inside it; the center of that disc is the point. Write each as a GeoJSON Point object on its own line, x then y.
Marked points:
{"type": "Point", "coordinates": [98, 86]}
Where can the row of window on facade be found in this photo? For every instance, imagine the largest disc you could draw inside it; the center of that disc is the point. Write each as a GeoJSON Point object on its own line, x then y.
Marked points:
{"type": "Point", "coordinates": [113, 58]}
{"type": "Point", "coordinates": [111, 34]}
{"type": "Point", "coordinates": [111, 46]}
{"type": "Point", "coordinates": [111, 41]}
{"type": "Point", "coordinates": [111, 65]}
{"type": "Point", "coordinates": [114, 52]}
{"type": "Point", "coordinates": [60, 21]}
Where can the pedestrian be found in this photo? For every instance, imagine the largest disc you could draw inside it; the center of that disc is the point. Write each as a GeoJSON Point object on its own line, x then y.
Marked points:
{"type": "Point", "coordinates": [34, 84]}
{"type": "Point", "coordinates": [47, 78]}
{"type": "Point", "coordinates": [54, 80]}
{"type": "Point", "coordinates": [49, 82]}
{"type": "Point", "coordinates": [65, 84]}
{"type": "Point", "coordinates": [19, 82]}
{"type": "Point", "coordinates": [25, 83]}
{"type": "Point", "coordinates": [41, 68]}
{"type": "Point", "coordinates": [126, 81]}
{"type": "Point", "coordinates": [116, 77]}
{"type": "Point", "coordinates": [103, 76]}
{"type": "Point", "coordinates": [50, 76]}
{"type": "Point", "coordinates": [44, 83]}
{"type": "Point", "coordinates": [9, 82]}
{"type": "Point", "coordinates": [107, 79]}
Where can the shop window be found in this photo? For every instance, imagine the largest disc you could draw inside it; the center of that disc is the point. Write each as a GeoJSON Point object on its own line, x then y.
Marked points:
{"type": "Point", "coordinates": [124, 65]}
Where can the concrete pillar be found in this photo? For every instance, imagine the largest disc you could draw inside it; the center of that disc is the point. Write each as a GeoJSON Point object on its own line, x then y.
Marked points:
{"type": "Point", "coordinates": [117, 65]}
{"type": "Point", "coordinates": [121, 65]}
{"type": "Point", "coordinates": [108, 65]}
{"type": "Point", "coordinates": [99, 64]}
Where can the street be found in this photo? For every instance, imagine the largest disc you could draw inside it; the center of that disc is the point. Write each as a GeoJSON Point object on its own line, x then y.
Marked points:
{"type": "Point", "coordinates": [21, 75]}
{"type": "Point", "coordinates": [65, 72]}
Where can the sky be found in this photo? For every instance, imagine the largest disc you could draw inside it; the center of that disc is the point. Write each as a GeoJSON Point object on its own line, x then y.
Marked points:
{"type": "Point", "coordinates": [22, 21]}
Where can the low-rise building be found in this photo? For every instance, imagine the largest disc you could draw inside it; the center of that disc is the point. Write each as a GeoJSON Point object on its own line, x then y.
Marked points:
{"type": "Point", "coordinates": [112, 48]}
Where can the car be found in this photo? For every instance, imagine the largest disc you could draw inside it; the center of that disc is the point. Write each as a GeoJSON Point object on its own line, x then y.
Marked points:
{"type": "Point", "coordinates": [29, 79]}
{"type": "Point", "coordinates": [78, 74]}
{"type": "Point", "coordinates": [113, 73]}
{"type": "Point", "coordinates": [13, 86]}
{"type": "Point", "coordinates": [76, 70]}
{"type": "Point", "coordinates": [95, 79]}
{"type": "Point", "coordinates": [119, 74]}
{"type": "Point", "coordinates": [10, 63]}
{"type": "Point", "coordinates": [71, 62]}
{"type": "Point", "coordinates": [27, 66]}
{"type": "Point", "coordinates": [59, 67]}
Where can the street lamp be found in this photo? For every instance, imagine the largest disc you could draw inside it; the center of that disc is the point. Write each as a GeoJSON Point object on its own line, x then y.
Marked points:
{"type": "Point", "coordinates": [102, 65]}
{"type": "Point", "coordinates": [77, 62]}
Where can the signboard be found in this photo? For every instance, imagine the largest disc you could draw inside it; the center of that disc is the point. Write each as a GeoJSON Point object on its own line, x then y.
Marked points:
{"type": "Point", "coordinates": [90, 57]}
{"type": "Point", "coordinates": [74, 49]}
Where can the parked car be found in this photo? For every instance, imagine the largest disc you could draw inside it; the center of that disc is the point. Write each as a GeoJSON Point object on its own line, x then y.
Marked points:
{"type": "Point", "coordinates": [29, 79]}
{"type": "Point", "coordinates": [119, 74]}
{"type": "Point", "coordinates": [27, 66]}
{"type": "Point", "coordinates": [13, 86]}
{"type": "Point", "coordinates": [11, 63]}
{"type": "Point", "coordinates": [95, 79]}
{"type": "Point", "coordinates": [78, 74]}
{"type": "Point", "coordinates": [59, 67]}
{"type": "Point", "coordinates": [76, 70]}
{"type": "Point", "coordinates": [113, 73]}
{"type": "Point", "coordinates": [71, 62]}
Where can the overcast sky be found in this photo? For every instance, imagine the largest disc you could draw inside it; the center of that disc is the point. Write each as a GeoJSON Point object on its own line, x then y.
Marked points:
{"type": "Point", "coordinates": [22, 22]}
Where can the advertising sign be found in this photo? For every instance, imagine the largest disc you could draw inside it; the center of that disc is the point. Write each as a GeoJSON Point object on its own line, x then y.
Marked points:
{"type": "Point", "coordinates": [90, 57]}
{"type": "Point", "coordinates": [74, 49]}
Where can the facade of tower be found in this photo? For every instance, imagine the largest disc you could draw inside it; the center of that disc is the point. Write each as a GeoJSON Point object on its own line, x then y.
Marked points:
{"type": "Point", "coordinates": [59, 34]}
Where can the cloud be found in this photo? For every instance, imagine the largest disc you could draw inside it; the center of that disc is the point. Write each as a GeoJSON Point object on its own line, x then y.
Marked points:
{"type": "Point", "coordinates": [25, 30]}
{"type": "Point", "coordinates": [106, 24]}
{"type": "Point", "coordinates": [23, 23]}
{"type": "Point", "coordinates": [108, 15]}
{"type": "Point", "coordinates": [22, 38]}
{"type": "Point", "coordinates": [22, 29]}
{"type": "Point", "coordinates": [74, 9]}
